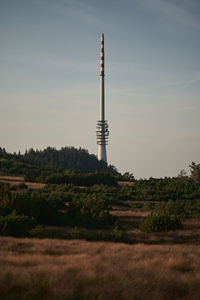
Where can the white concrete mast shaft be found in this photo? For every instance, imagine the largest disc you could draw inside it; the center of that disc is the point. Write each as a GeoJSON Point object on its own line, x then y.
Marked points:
{"type": "Point", "coordinates": [102, 126]}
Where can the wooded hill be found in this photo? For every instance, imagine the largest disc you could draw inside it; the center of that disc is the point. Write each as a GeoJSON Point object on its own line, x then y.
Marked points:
{"type": "Point", "coordinates": [67, 158]}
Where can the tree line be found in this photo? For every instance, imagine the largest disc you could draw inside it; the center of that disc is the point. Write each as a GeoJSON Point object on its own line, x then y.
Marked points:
{"type": "Point", "coordinates": [50, 158]}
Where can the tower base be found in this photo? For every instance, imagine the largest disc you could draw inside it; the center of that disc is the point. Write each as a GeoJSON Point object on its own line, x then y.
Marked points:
{"type": "Point", "coordinates": [102, 153]}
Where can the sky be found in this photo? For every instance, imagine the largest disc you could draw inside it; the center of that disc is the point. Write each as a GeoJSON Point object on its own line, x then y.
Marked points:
{"type": "Point", "coordinates": [49, 79]}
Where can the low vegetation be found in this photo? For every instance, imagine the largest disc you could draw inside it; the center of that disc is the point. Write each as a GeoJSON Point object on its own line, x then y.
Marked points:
{"type": "Point", "coordinates": [161, 222]}
{"type": "Point", "coordinates": [182, 208]}
{"type": "Point", "coordinates": [51, 207]}
{"type": "Point", "coordinates": [73, 208]}
{"type": "Point", "coordinates": [57, 269]}
{"type": "Point", "coordinates": [168, 200]}
{"type": "Point", "coordinates": [16, 225]}
{"type": "Point", "coordinates": [40, 163]}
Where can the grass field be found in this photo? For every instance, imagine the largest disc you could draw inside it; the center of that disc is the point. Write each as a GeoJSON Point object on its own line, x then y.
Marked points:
{"type": "Point", "coordinates": [59, 269]}
{"type": "Point", "coordinates": [162, 265]}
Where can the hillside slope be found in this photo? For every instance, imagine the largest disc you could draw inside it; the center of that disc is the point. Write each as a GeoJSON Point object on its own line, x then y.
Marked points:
{"type": "Point", "coordinates": [66, 158]}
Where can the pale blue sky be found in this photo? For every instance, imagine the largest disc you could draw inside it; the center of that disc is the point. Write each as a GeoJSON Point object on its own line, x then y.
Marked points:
{"type": "Point", "coordinates": [49, 79]}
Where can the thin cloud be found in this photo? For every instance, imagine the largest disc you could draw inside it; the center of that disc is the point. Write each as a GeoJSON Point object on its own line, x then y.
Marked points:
{"type": "Point", "coordinates": [181, 12]}
{"type": "Point", "coordinates": [154, 77]}
{"type": "Point", "coordinates": [83, 12]}
{"type": "Point", "coordinates": [190, 82]}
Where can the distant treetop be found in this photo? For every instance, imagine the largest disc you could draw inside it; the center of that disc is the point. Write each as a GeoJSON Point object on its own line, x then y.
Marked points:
{"type": "Point", "coordinates": [65, 158]}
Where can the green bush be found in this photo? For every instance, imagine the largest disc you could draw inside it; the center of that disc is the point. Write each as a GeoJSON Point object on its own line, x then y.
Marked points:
{"type": "Point", "coordinates": [16, 225]}
{"type": "Point", "coordinates": [117, 234]}
{"type": "Point", "coordinates": [22, 185]}
{"type": "Point", "coordinates": [81, 179]}
{"type": "Point", "coordinates": [181, 208]}
{"type": "Point", "coordinates": [90, 212]}
{"type": "Point", "coordinates": [42, 205]}
{"type": "Point", "coordinates": [160, 222]}
{"type": "Point", "coordinates": [38, 232]}
{"type": "Point", "coordinates": [6, 202]}
{"type": "Point", "coordinates": [34, 204]}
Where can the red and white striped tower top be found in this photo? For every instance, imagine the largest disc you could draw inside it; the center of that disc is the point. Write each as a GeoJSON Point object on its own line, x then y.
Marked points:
{"type": "Point", "coordinates": [102, 54]}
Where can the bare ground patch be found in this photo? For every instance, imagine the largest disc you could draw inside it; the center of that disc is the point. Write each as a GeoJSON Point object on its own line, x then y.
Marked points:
{"type": "Point", "coordinates": [12, 180]}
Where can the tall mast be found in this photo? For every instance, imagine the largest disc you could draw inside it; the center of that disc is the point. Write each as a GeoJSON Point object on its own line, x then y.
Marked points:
{"type": "Point", "coordinates": [102, 125]}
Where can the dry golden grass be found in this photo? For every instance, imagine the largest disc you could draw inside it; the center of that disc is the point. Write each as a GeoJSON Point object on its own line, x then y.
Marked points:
{"type": "Point", "coordinates": [125, 183]}
{"type": "Point", "coordinates": [58, 269]}
{"type": "Point", "coordinates": [13, 180]}
{"type": "Point", "coordinates": [35, 185]}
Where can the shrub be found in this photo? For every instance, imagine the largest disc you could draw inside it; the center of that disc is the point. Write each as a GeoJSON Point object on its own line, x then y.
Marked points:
{"type": "Point", "coordinates": [81, 179]}
{"type": "Point", "coordinates": [13, 187]}
{"type": "Point", "coordinates": [160, 222]}
{"type": "Point", "coordinates": [22, 185]}
{"type": "Point", "coordinates": [117, 234]}
{"type": "Point", "coordinates": [90, 212]}
{"type": "Point", "coordinates": [34, 204]}
{"type": "Point", "coordinates": [181, 208]}
{"type": "Point", "coordinates": [55, 199]}
{"type": "Point", "coordinates": [38, 232]}
{"type": "Point", "coordinates": [16, 225]}
{"type": "Point", "coordinates": [6, 202]}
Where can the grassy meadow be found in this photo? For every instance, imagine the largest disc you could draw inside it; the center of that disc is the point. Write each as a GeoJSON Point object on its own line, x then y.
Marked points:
{"type": "Point", "coordinates": [77, 269]}
{"type": "Point", "coordinates": [87, 242]}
